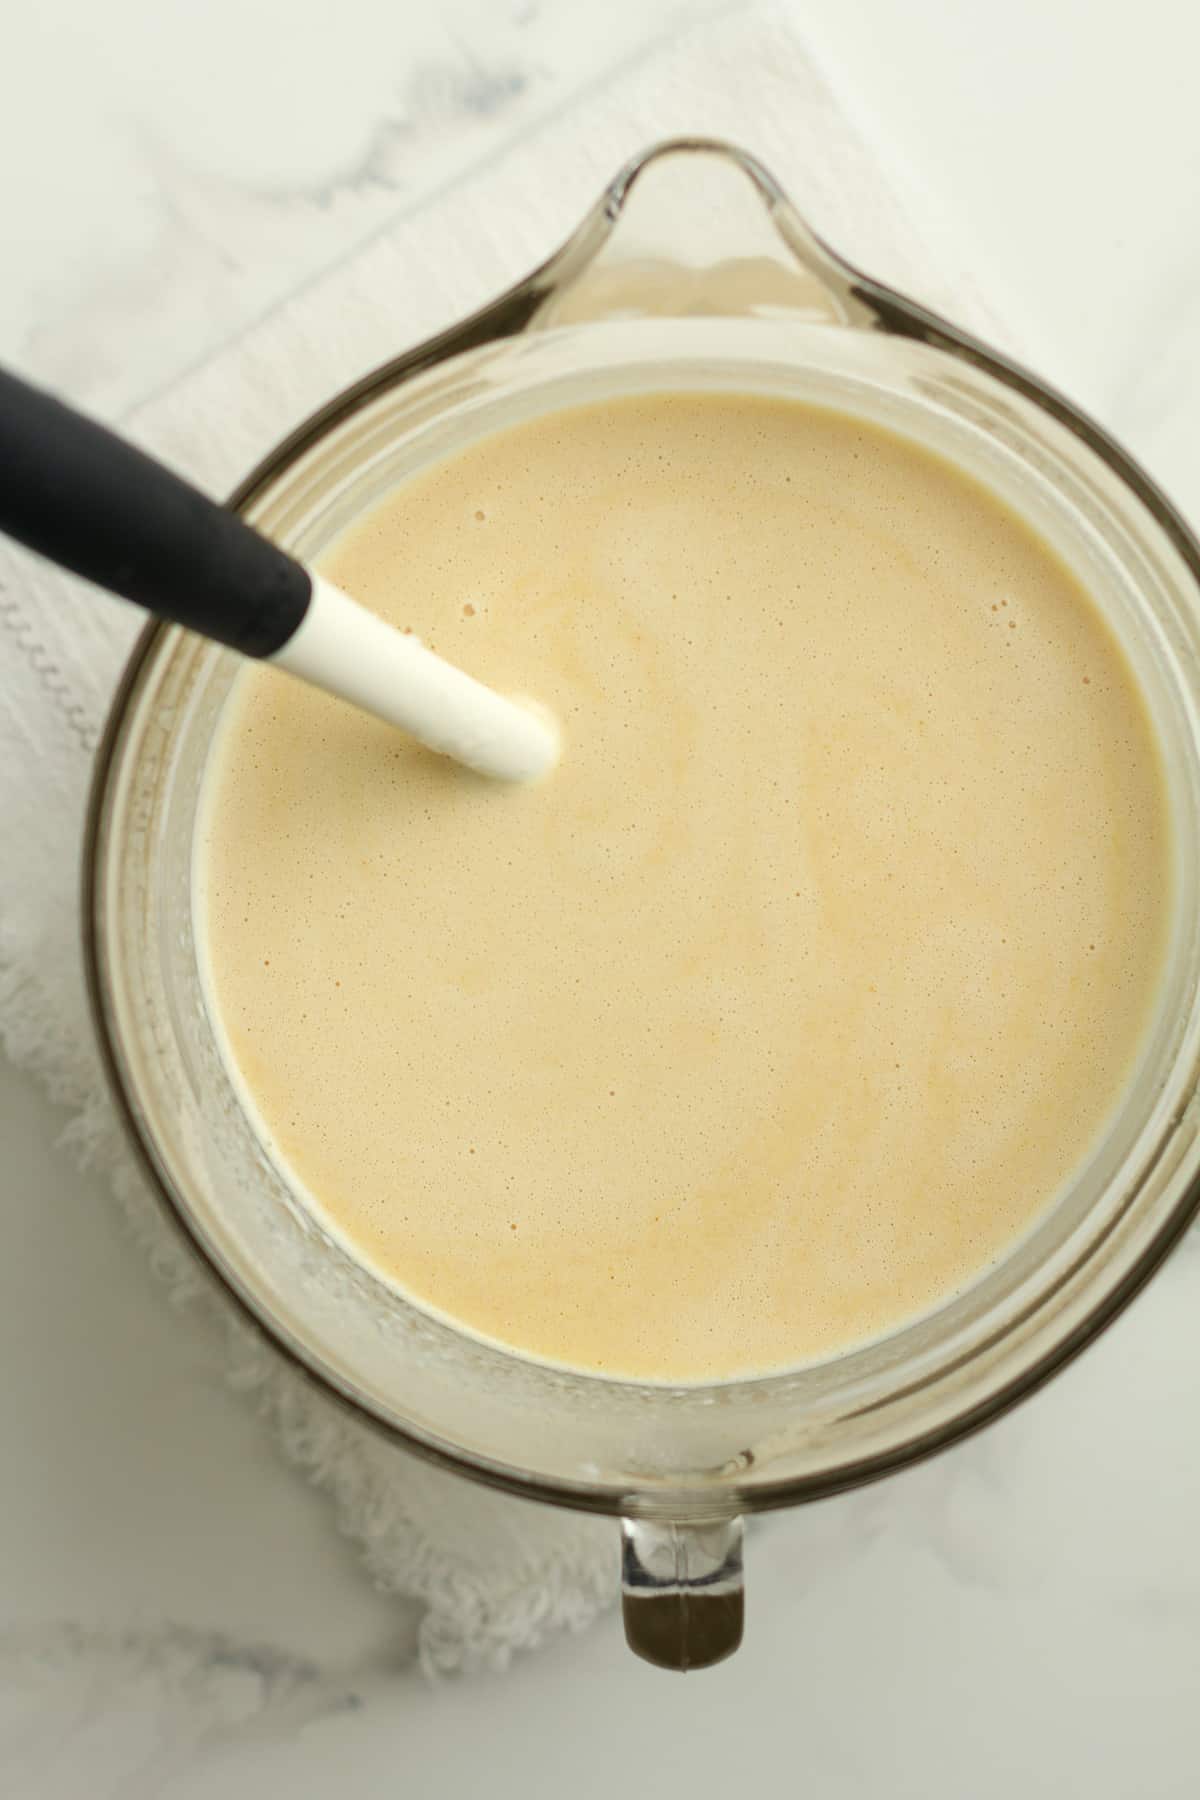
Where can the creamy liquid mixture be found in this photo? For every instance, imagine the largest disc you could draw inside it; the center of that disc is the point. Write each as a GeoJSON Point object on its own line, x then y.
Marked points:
{"type": "Point", "coordinates": [809, 977]}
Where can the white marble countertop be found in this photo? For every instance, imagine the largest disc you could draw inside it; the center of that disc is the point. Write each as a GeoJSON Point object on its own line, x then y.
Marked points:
{"type": "Point", "coordinates": [177, 1616]}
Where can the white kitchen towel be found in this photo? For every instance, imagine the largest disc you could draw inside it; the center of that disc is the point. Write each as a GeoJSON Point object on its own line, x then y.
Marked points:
{"type": "Point", "coordinates": [493, 1573]}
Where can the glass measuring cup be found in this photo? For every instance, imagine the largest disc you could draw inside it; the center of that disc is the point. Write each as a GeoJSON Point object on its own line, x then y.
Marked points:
{"type": "Point", "coordinates": [694, 271]}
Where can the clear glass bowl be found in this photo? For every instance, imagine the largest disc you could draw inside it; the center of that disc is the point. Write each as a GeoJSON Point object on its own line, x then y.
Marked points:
{"type": "Point", "coordinates": [693, 272]}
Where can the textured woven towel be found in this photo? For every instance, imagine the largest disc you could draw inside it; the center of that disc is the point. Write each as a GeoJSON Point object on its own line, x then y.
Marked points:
{"type": "Point", "coordinates": [495, 1574]}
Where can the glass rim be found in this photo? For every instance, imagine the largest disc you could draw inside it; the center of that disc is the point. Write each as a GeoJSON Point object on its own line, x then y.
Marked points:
{"type": "Point", "coordinates": [868, 304]}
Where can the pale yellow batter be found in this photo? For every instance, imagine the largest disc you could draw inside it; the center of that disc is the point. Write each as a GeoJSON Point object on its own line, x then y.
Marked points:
{"type": "Point", "coordinates": [806, 981]}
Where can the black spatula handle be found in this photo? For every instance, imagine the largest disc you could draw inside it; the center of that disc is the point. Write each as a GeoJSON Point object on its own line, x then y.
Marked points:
{"type": "Point", "coordinates": [85, 498]}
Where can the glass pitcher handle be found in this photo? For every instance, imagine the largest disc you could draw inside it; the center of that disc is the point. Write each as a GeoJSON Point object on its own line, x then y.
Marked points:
{"type": "Point", "coordinates": [681, 1590]}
